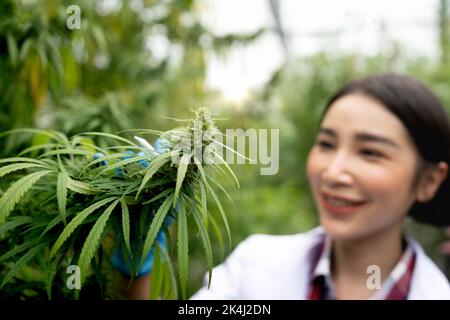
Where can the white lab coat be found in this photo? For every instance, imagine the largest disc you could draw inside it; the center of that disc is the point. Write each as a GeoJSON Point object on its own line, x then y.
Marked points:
{"type": "Point", "coordinates": [270, 267]}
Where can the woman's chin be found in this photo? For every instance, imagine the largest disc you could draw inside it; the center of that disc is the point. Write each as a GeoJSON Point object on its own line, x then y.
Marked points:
{"type": "Point", "coordinates": [341, 230]}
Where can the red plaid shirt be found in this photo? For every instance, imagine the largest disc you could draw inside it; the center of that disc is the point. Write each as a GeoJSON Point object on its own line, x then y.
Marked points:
{"type": "Point", "coordinates": [395, 286]}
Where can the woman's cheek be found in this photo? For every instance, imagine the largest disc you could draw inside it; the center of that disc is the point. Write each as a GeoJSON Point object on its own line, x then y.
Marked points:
{"type": "Point", "coordinates": [314, 166]}
{"type": "Point", "coordinates": [387, 185]}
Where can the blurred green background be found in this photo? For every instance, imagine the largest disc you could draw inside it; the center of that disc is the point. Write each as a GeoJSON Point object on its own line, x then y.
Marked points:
{"type": "Point", "coordinates": [107, 77]}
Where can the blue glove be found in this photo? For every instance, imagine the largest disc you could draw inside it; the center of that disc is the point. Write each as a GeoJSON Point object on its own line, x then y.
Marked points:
{"type": "Point", "coordinates": [162, 145]}
{"type": "Point", "coordinates": [118, 171]}
{"type": "Point", "coordinates": [119, 263]}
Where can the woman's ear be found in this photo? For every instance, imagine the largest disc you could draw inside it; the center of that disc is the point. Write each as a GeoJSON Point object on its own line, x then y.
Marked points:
{"type": "Point", "coordinates": [431, 180]}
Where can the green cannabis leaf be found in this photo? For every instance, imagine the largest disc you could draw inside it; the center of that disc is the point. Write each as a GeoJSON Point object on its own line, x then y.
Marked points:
{"type": "Point", "coordinates": [70, 202]}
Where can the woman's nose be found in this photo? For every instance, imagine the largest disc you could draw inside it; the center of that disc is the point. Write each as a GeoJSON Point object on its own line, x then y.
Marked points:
{"type": "Point", "coordinates": [338, 170]}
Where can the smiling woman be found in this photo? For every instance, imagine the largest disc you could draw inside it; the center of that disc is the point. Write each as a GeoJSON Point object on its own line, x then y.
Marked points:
{"type": "Point", "coordinates": [382, 152]}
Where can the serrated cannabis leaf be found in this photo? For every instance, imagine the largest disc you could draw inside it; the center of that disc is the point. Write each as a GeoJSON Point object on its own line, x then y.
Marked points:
{"type": "Point", "coordinates": [75, 222]}
{"type": "Point", "coordinates": [183, 248]}
{"type": "Point", "coordinates": [93, 240]}
{"type": "Point", "coordinates": [13, 195]}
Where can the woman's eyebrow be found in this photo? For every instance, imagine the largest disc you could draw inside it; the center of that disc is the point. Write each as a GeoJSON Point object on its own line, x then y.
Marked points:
{"type": "Point", "coordinates": [361, 137]}
{"type": "Point", "coordinates": [369, 137]}
{"type": "Point", "coordinates": [328, 132]}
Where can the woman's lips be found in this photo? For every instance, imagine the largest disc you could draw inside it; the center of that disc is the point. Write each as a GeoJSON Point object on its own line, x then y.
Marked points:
{"type": "Point", "coordinates": [340, 205]}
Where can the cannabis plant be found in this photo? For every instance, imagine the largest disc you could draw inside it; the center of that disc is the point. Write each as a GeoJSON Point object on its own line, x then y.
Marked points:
{"type": "Point", "coordinates": [71, 202]}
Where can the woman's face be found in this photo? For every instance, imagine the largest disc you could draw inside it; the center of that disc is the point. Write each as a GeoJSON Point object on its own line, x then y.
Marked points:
{"type": "Point", "coordinates": [362, 168]}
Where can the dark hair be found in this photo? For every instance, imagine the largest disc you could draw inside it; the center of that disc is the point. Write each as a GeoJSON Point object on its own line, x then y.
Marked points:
{"type": "Point", "coordinates": [426, 120]}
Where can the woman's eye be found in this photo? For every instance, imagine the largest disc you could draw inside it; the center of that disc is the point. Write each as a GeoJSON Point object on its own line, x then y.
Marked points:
{"type": "Point", "coordinates": [371, 153]}
{"type": "Point", "coordinates": [325, 144]}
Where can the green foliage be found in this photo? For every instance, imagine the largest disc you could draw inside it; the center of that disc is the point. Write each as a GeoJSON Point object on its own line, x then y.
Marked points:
{"type": "Point", "coordinates": [61, 193]}
{"type": "Point", "coordinates": [74, 223]}
{"type": "Point", "coordinates": [182, 245]}
{"type": "Point", "coordinates": [93, 240]}
{"type": "Point", "coordinates": [13, 195]}
{"type": "Point", "coordinates": [86, 84]}
{"type": "Point", "coordinates": [105, 77]}
{"type": "Point", "coordinates": [21, 263]}
{"type": "Point", "coordinates": [126, 225]}
{"type": "Point", "coordinates": [155, 227]}
{"type": "Point", "coordinates": [75, 186]}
